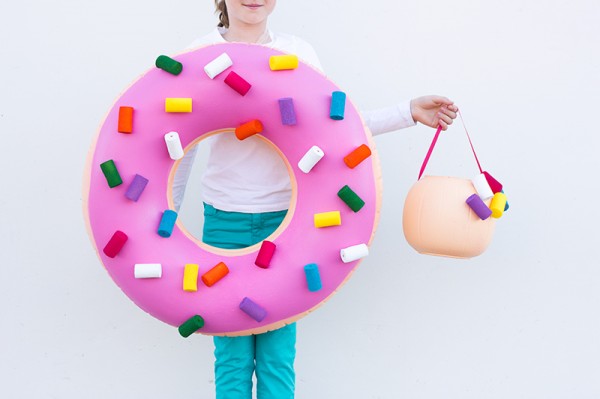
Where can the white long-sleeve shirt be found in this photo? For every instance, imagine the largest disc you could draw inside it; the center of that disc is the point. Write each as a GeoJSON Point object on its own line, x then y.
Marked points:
{"type": "Point", "coordinates": [227, 182]}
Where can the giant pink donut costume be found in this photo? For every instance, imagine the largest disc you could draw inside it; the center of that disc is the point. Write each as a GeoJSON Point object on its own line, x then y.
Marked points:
{"type": "Point", "coordinates": [282, 288]}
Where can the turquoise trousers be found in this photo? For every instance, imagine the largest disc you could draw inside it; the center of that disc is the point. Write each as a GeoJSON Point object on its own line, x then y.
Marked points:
{"type": "Point", "coordinates": [271, 355]}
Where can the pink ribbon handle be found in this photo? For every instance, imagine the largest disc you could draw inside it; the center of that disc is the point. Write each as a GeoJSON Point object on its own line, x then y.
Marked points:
{"type": "Point", "coordinates": [435, 139]}
{"type": "Point", "coordinates": [426, 160]}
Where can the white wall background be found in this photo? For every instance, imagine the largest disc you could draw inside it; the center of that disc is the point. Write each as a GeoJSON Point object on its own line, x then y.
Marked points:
{"type": "Point", "coordinates": [520, 321]}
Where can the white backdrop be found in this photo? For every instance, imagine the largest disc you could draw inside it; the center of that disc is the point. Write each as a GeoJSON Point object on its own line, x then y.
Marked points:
{"type": "Point", "coordinates": [520, 321]}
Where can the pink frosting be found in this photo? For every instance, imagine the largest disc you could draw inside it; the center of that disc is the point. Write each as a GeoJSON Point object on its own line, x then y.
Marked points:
{"type": "Point", "coordinates": [281, 289]}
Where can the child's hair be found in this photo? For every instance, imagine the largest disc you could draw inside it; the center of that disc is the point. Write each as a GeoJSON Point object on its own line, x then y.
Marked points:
{"type": "Point", "coordinates": [221, 8]}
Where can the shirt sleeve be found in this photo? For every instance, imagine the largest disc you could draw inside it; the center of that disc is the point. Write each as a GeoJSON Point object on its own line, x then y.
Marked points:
{"type": "Point", "coordinates": [182, 175]}
{"type": "Point", "coordinates": [388, 119]}
{"type": "Point", "coordinates": [308, 54]}
{"type": "Point", "coordinates": [212, 37]}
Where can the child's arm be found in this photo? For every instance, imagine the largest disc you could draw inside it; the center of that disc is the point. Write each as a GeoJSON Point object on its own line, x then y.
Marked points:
{"type": "Point", "coordinates": [182, 175]}
{"type": "Point", "coordinates": [429, 110]}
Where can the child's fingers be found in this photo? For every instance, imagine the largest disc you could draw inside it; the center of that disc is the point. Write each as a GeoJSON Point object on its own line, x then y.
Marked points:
{"type": "Point", "coordinates": [444, 118]}
{"type": "Point", "coordinates": [441, 100]}
{"type": "Point", "coordinates": [447, 111]}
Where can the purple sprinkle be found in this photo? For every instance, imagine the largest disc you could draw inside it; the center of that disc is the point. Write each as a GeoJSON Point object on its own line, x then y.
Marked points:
{"type": "Point", "coordinates": [288, 114]}
{"type": "Point", "coordinates": [253, 310]}
{"type": "Point", "coordinates": [136, 188]}
{"type": "Point", "coordinates": [479, 207]}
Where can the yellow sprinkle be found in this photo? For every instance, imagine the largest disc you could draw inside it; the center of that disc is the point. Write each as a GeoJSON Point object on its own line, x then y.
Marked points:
{"type": "Point", "coordinates": [327, 219]}
{"type": "Point", "coordinates": [178, 105]}
{"type": "Point", "coordinates": [190, 278]}
{"type": "Point", "coordinates": [283, 62]}
{"type": "Point", "coordinates": [498, 204]}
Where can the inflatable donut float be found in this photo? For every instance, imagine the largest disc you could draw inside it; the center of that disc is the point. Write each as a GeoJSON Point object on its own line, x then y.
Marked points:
{"type": "Point", "coordinates": [246, 89]}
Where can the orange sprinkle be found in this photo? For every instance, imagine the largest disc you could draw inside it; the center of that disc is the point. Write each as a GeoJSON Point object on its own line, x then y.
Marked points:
{"type": "Point", "coordinates": [357, 156]}
{"type": "Point", "coordinates": [248, 129]}
{"type": "Point", "coordinates": [215, 274]}
{"type": "Point", "coordinates": [125, 119]}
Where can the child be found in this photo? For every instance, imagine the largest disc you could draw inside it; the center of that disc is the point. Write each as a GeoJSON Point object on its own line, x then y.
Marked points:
{"type": "Point", "coordinates": [244, 205]}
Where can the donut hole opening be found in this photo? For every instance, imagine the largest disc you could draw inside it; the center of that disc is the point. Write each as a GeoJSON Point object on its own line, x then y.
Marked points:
{"type": "Point", "coordinates": [196, 187]}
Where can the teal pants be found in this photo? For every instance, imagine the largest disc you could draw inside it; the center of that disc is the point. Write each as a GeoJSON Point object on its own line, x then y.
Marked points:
{"type": "Point", "coordinates": [271, 355]}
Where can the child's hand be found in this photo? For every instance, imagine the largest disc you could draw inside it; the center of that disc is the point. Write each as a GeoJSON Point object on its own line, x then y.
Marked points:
{"type": "Point", "coordinates": [433, 111]}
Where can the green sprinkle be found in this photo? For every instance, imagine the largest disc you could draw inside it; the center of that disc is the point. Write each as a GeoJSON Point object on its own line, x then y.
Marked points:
{"type": "Point", "coordinates": [351, 198]}
{"type": "Point", "coordinates": [169, 64]}
{"type": "Point", "coordinates": [192, 325]}
{"type": "Point", "coordinates": [111, 173]}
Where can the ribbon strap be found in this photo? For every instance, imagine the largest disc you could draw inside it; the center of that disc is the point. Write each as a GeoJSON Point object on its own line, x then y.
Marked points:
{"type": "Point", "coordinates": [435, 139]}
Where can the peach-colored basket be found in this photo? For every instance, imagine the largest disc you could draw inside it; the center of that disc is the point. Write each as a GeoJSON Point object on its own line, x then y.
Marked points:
{"type": "Point", "coordinates": [437, 220]}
